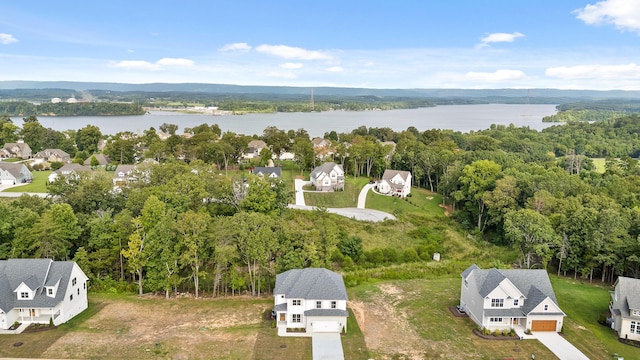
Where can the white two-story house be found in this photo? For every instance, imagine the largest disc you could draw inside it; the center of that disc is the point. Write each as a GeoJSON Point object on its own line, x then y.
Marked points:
{"type": "Point", "coordinates": [308, 301]}
{"type": "Point", "coordinates": [41, 291]}
{"type": "Point", "coordinates": [498, 299]}
{"type": "Point", "coordinates": [395, 183]}
{"type": "Point", "coordinates": [328, 177]}
{"type": "Point", "coordinates": [625, 308]}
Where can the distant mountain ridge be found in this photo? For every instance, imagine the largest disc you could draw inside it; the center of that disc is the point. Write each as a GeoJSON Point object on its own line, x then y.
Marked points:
{"type": "Point", "coordinates": [319, 91]}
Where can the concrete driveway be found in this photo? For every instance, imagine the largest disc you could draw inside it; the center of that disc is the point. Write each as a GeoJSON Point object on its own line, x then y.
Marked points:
{"type": "Point", "coordinates": [558, 345]}
{"type": "Point", "coordinates": [326, 346]}
{"type": "Point", "coordinates": [355, 213]}
{"type": "Point", "coordinates": [362, 197]}
{"type": "Point", "coordinates": [298, 185]}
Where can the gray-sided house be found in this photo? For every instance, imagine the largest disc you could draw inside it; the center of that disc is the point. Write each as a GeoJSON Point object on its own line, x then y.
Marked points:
{"type": "Point", "coordinates": [266, 171]}
{"type": "Point", "coordinates": [14, 173]}
{"type": "Point", "coordinates": [520, 299]}
{"type": "Point", "coordinates": [311, 300]}
{"type": "Point", "coordinates": [328, 177]}
{"type": "Point", "coordinates": [40, 291]}
{"type": "Point", "coordinates": [625, 308]}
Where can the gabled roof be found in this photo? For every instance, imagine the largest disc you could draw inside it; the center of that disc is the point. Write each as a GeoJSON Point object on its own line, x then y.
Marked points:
{"type": "Point", "coordinates": [325, 168]}
{"type": "Point", "coordinates": [266, 170]}
{"type": "Point", "coordinates": [390, 174]}
{"type": "Point", "coordinates": [125, 169]}
{"type": "Point", "coordinates": [629, 290]}
{"type": "Point", "coordinates": [311, 284]}
{"type": "Point", "coordinates": [256, 144]}
{"type": "Point", "coordinates": [48, 152]}
{"type": "Point", "coordinates": [533, 283]}
{"type": "Point", "coordinates": [13, 168]}
{"type": "Point", "coordinates": [35, 273]}
{"type": "Point", "coordinates": [73, 167]}
{"type": "Point", "coordinates": [102, 159]}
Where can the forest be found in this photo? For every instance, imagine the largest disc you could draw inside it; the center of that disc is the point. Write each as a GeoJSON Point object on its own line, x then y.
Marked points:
{"type": "Point", "coordinates": [190, 220]}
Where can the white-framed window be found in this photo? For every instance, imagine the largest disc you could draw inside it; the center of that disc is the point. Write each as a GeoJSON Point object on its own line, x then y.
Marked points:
{"type": "Point", "coordinates": [318, 304]}
{"type": "Point", "coordinates": [516, 302]}
{"type": "Point", "coordinates": [74, 281]}
{"type": "Point", "coordinates": [466, 284]}
{"type": "Point", "coordinates": [495, 319]}
{"type": "Point", "coordinates": [24, 295]}
{"type": "Point", "coordinates": [546, 307]}
{"type": "Point", "coordinates": [296, 302]}
{"type": "Point", "coordinates": [635, 327]}
{"type": "Point", "coordinates": [71, 297]}
{"type": "Point", "coordinates": [497, 303]}
{"type": "Point", "coordinates": [295, 318]}
{"type": "Point", "coordinates": [636, 313]}
{"type": "Point", "coordinates": [334, 304]}
{"type": "Point", "coordinates": [50, 291]}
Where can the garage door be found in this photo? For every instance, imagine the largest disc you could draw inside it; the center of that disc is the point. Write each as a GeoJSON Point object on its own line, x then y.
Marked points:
{"type": "Point", "coordinates": [326, 326]}
{"type": "Point", "coordinates": [543, 325]}
{"type": "Point", "coordinates": [7, 182]}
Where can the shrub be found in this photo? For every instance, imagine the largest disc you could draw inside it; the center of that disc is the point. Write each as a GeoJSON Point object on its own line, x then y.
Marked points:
{"type": "Point", "coordinates": [51, 322]}
{"type": "Point", "coordinates": [505, 332]}
{"type": "Point", "coordinates": [347, 263]}
{"type": "Point", "coordinates": [410, 255]}
{"type": "Point", "coordinates": [496, 333]}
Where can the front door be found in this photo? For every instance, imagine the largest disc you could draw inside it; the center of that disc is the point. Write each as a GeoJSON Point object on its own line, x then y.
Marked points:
{"type": "Point", "coordinates": [283, 316]}
{"type": "Point", "coordinates": [32, 312]}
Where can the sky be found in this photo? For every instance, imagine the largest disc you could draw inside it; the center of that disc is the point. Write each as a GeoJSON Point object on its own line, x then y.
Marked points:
{"type": "Point", "coordinates": [400, 44]}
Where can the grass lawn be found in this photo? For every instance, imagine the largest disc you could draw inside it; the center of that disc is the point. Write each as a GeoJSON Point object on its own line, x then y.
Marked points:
{"type": "Point", "coordinates": [338, 199]}
{"type": "Point", "coordinates": [38, 185]}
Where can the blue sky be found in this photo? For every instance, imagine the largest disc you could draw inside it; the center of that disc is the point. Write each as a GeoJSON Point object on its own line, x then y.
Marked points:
{"type": "Point", "coordinates": [567, 44]}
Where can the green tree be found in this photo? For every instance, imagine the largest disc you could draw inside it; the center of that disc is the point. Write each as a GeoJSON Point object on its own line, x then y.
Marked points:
{"type": "Point", "coordinates": [193, 244]}
{"type": "Point", "coordinates": [87, 139]}
{"type": "Point", "coordinates": [477, 178]}
{"type": "Point", "coordinates": [532, 233]}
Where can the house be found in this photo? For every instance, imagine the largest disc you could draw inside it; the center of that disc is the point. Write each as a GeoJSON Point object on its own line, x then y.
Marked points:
{"type": "Point", "coordinates": [395, 183]}
{"type": "Point", "coordinates": [308, 301]}
{"type": "Point", "coordinates": [40, 291]}
{"type": "Point", "coordinates": [20, 150]}
{"type": "Point", "coordinates": [266, 171]}
{"type": "Point", "coordinates": [255, 147]}
{"type": "Point", "coordinates": [518, 299]}
{"type": "Point", "coordinates": [102, 160]}
{"type": "Point", "coordinates": [122, 175]}
{"type": "Point", "coordinates": [53, 155]}
{"type": "Point", "coordinates": [625, 308]}
{"type": "Point", "coordinates": [328, 177]}
{"type": "Point", "coordinates": [14, 173]}
{"type": "Point", "coordinates": [322, 148]}
{"type": "Point", "coordinates": [67, 170]}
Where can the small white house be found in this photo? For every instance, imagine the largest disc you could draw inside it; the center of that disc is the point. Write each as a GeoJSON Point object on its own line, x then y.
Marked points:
{"type": "Point", "coordinates": [520, 299]}
{"type": "Point", "coordinates": [67, 170]}
{"type": "Point", "coordinates": [14, 173]}
{"type": "Point", "coordinates": [40, 291]}
{"type": "Point", "coordinates": [625, 308]}
{"type": "Point", "coordinates": [395, 183]}
{"type": "Point", "coordinates": [311, 300]}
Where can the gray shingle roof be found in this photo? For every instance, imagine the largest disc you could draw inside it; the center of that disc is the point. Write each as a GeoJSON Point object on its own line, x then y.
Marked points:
{"type": "Point", "coordinates": [324, 168]}
{"type": "Point", "coordinates": [13, 168]}
{"type": "Point", "coordinates": [533, 283]}
{"type": "Point", "coordinates": [311, 284]}
{"type": "Point", "coordinates": [35, 273]}
{"type": "Point", "coordinates": [265, 170]}
{"type": "Point", "coordinates": [389, 174]}
{"type": "Point", "coordinates": [629, 294]}
{"type": "Point", "coordinates": [326, 312]}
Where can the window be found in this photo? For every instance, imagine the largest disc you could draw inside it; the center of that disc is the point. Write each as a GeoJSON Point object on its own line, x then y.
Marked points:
{"type": "Point", "coordinates": [50, 292]}
{"type": "Point", "coordinates": [78, 291]}
{"type": "Point", "coordinates": [497, 302]}
{"type": "Point", "coordinates": [318, 304]}
{"type": "Point", "coordinates": [334, 304]}
{"type": "Point", "coordinates": [71, 297]}
{"type": "Point", "coordinates": [296, 302]}
{"type": "Point", "coordinates": [24, 295]}
{"type": "Point", "coordinates": [516, 302]}
{"type": "Point", "coordinates": [635, 327]}
{"type": "Point", "coordinates": [495, 319]}
{"type": "Point", "coordinates": [466, 284]}
{"type": "Point", "coordinates": [546, 307]}
{"type": "Point", "coordinates": [636, 313]}
{"type": "Point", "coordinates": [73, 282]}
{"type": "Point", "coordinates": [296, 318]}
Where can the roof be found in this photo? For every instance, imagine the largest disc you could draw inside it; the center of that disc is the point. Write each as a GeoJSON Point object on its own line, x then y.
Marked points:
{"type": "Point", "coordinates": [266, 170]}
{"type": "Point", "coordinates": [125, 169]}
{"type": "Point", "coordinates": [12, 168]}
{"type": "Point", "coordinates": [629, 290]}
{"type": "Point", "coordinates": [326, 312]}
{"type": "Point", "coordinates": [257, 144]}
{"type": "Point", "coordinates": [49, 152]}
{"type": "Point", "coordinates": [102, 159]}
{"type": "Point", "coordinates": [533, 283]}
{"type": "Point", "coordinates": [68, 168]}
{"type": "Point", "coordinates": [324, 168]}
{"type": "Point", "coordinates": [311, 284]}
{"type": "Point", "coordinates": [35, 273]}
{"type": "Point", "coordinates": [390, 174]}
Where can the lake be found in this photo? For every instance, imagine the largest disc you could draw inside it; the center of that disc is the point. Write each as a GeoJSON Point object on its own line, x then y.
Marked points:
{"type": "Point", "coordinates": [463, 118]}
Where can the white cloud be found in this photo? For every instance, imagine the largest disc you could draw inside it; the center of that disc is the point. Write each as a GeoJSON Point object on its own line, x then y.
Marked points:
{"type": "Point", "coordinates": [597, 71]}
{"type": "Point", "coordinates": [290, 65]}
{"type": "Point", "coordinates": [6, 39]}
{"type": "Point", "coordinates": [624, 14]}
{"type": "Point", "coordinates": [145, 65]}
{"type": "Point", "coordinates": [175, 62]}
{"type": "Point", "coordinates": [335, 69]}
{"type": "Point", "coordinates": [236, 47]}
{"type": "Point", "coordinates": [496, 76]}
{"type": "Point", "coordinates": [499, 37]}
{"type": "Point", "coordinates": [289, 52]}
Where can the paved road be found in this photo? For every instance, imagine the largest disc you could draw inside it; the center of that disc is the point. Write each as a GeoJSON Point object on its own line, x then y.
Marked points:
{"type": "Point", "coordinates": [299, 184]}
{"type": "Point", "coordinates": [326, 346]}
{"type": "Point", "coordinates": [558, 345]}
{"type": "Point", "coordinates": [17, 194]}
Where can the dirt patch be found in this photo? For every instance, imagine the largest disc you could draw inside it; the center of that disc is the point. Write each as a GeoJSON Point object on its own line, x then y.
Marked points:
{"type": "Point", "coordinates": [448, 209]}
{"type": "Point", "coordinates": [387, 331]}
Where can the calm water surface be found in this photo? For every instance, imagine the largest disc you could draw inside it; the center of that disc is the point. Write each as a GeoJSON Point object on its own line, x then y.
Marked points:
{"type": "Point", "coordinates": [462, 118]}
